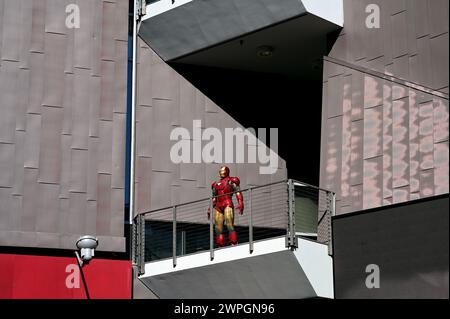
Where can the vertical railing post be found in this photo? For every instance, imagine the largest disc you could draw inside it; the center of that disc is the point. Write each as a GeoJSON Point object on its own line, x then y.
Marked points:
{"type": "Point", "coordinates": [174, 235]}
{"type": "Point", "coordinates": [291, 238]}
{"type": "Point", "coordinates": [330, 226]}
{"type": "Point", "coordinates": [211, 229]}
{"type": "Point", "coordinates": [250, 221]}
{"type": "Point", "coordinates": [141, 241]}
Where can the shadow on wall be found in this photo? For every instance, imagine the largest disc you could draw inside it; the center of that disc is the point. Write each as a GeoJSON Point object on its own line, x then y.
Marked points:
{"type": "Point", "coordinates": [261, 100]}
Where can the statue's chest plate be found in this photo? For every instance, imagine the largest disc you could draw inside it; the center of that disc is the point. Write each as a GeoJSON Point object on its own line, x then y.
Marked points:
{"type": "Point", "coordinates": [223, 187]}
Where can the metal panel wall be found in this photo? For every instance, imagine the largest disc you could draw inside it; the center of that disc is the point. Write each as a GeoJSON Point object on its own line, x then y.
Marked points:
{"type": "Point", "coordinates": [62, 129]}
{"type": "Point", "coordinates": [165, 101]}
{"type": "Point", "coordinates": [385, 107]}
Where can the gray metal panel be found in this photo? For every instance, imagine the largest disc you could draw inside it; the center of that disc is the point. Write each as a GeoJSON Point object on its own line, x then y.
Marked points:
{"type": "Point", "coordinates": [202, 22]}
{"type": "Point", "coordinates": [254, 277]}
{"type": "Point", "coordinates": [411, 266]}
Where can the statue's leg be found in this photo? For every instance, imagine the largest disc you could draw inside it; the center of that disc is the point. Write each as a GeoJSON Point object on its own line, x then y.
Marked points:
{"type": "Point", "coordinates": [219, 220]}
{"type": "Point", "coordinates": [229, 217]}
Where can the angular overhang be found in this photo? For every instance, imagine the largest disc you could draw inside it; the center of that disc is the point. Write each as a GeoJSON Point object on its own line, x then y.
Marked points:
{"type": "Point", "coordinates": [271, 272]}
{"type": "Point", "coordinates": [228, 34]}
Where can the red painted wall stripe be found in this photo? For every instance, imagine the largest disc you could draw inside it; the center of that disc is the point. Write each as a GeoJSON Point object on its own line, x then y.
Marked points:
{"type": "Point", "coordinates": [43, 277]}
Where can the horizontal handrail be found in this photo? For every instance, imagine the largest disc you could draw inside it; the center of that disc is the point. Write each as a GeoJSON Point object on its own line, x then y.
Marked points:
{"type": "Point", "coordinates": [210, 197]}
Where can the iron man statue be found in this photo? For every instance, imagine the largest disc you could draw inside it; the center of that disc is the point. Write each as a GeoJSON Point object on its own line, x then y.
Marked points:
{"type": "Point", "coordinates": [222, 192]}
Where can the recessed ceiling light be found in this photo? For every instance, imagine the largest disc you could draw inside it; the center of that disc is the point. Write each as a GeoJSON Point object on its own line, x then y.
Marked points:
{"type": "Point", "coordinates": [265, 51]}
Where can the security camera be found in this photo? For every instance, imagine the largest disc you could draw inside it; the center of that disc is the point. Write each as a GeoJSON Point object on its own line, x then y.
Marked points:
{"type": "Point", "coordinates": [87, 245]}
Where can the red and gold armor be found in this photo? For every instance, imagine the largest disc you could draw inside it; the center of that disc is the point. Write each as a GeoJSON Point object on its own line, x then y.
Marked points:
{"type": "Point", "coordinates": [222, 192]}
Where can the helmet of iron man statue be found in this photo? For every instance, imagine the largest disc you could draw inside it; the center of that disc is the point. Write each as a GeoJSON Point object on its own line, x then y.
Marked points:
{"type": "Point", "coordinates": [224, 172]}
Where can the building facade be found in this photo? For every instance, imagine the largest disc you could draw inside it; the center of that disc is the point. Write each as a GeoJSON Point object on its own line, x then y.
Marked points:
{"type": "Point", "coordinates": [358, 90]}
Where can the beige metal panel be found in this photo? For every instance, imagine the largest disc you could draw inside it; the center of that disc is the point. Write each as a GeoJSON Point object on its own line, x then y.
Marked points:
{"type": "Point", "coordinates": [66, 166]}
{"type": "Point", "coordinates": [83, 40]}
{"type": "Point", "coordinates": [92, 169]}
{"type": "Point", "coordinates": [55, 16]}
{"type": "Point", "coordinates": [373, 132]}
{"type": "Point", "coordinates": [91, 217]}
{"type": "Point", "coordinates": [439, 57]}
{"type": "Point", "coordinates": [11, 31]}
{"type": "Point", "coordinates": [441, 120]}
{"type": "Point", "coordinates": [373, 183]}
{"type": "Point", "coordinates": [78, 171]}
{"type": "Point", "coordinates": [117, 216]}
{"type": "Point", "coordinates": [143, 134]}
{"type": "Point", "coordinates": [118, 151]}
{"type": "Point", "coordinates": [8, 92]}
{"type": "Point", "coordinates": [143, 184]}
{"type": "Point", "coordinates": [69, 61]}
{"type": "Point", "coordinates": [19, 152]}
{"type": "Point", "coordinates": [94, 105]}
{"type": "Point", "coordinates": [108, 31]}
{"type": "Point", "coordinates": [7, 160]}
{"type": "Point", "coordinates": [144, 85]}
{"type": "Point", "coordinates": [38, 27]}
{"type": "Point", "coordinates": [426, 149]}
{"type": "Point", "coordinates": [23, 86]}
{"type": "Point", "coordinates": [32, 141]}
{"type": "Point", "coordinates": [108, 99]}
{"type": "Point", "coordinates": [50, 93]}
{"type": "Point", "coordinates": [441, 165]}
{"type": "Point", "coordinates": [357, 149]}
{"type": "Point", "coordinates": [427, 183]}
{"type": "Point", "coordinates": [400, 144]}
{"type": "Point", "coordinates": [414, 143]}
{"type": "Point", "coordinates": [97, 31]}
{"type": "Point", "coordinates": [103, 204]}
{"type": "Point", "coordinates": [80, 109]}
{"type": "Point", "coordinates": [438, 17]}
{"type": "Point", "coordinates": [30, 199]}
{"type": "Point", "coordinates": [50, 150]}
{"type": "Point", "coordinates": [120, 76]}
{"type": "Point", "coordinates": [105, 147]}
{"type": "Point", "coordinates": [25, 29]}
{"type": "Point", "coordinates": [160, 134]}
{"type": "Point", "coordinates": [68, 104]}
{"type": "Point", "coordinates": [47, 210]}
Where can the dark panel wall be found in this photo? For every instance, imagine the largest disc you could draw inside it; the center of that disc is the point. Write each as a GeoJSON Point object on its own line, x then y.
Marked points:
{"type": "Point", "coordinates": [409, 244]}
{"type": "Point", "coordinates": [385, 106]}
{"type": "Point", "coordinates": [62, 128]}
{"type": "Point", "coordinates": [166, 100]}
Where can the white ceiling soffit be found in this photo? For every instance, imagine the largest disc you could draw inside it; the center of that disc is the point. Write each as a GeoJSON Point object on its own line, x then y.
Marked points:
{"type": "Point", "coordinates": [161, 6]}
{"type": "Point", "coordinates": [331, 10]}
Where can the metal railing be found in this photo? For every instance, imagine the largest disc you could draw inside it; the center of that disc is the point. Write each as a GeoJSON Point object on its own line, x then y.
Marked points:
{"type": "Point", "coordinates": [272, 210]}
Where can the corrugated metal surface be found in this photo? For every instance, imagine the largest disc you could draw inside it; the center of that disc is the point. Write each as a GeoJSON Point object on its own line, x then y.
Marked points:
{"type": "Point", "coordinates": [397, 134]}
{"type": "Point", "coordinates": [62, 129]}
{"type": "Point", "coordinates": [167, 100]}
